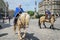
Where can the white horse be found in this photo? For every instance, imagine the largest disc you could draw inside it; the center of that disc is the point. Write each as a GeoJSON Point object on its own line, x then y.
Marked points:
{"type": "Point", "coordinates": [22, 22]}
{"type": "Point", "coordinates": [25, 17]}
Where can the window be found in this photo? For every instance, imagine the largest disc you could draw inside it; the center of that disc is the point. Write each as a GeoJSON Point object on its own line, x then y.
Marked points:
{"type": "Point", "coordinates": [47, 0]}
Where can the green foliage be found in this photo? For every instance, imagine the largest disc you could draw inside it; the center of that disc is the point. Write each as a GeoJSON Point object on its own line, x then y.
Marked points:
{"type": "Point", "coordinates": [31, 13]}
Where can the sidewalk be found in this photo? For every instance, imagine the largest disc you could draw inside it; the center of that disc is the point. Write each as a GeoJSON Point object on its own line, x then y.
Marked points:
{"type": "Point", "coordinates": [6, 23]}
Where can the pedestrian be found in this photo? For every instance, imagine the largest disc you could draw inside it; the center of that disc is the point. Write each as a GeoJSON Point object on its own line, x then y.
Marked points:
{"type": "Point", "coordinates": [9, 17]}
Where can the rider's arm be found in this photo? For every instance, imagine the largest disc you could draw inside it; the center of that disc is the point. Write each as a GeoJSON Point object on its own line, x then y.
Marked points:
{"type": "Point", "coordinates": [15, 12]}
{"type": "Point", "coordinates": [22, 10]}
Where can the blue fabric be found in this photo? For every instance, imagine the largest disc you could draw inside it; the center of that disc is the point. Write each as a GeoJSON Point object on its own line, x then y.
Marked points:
{"type": "Point", "coordinates": [17, 11]}
{"type": "Point", "coordinates": [48, 12]}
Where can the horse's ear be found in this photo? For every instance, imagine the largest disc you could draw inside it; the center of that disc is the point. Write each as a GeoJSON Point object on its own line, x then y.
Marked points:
{"type": "Point", "coordinates": [52, 14]}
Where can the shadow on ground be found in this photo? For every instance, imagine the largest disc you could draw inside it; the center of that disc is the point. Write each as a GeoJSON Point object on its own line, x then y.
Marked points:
{"type": "Point", "coordinates": [4, 25]}
{"type": "Point", "coordinates": [4, 34]}
{"type": "Point", "coordinates": [50, 28]}
{"type": "Point", "coordinates": [56, 29]}
{"type": "Point", "coordinates": [29, 36]}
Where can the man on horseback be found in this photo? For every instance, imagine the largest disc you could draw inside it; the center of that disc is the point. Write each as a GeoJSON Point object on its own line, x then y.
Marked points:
{"type": "Point", "coordinates": [18, 11]}
{"type": "Point", "coordinates": [47, 14]}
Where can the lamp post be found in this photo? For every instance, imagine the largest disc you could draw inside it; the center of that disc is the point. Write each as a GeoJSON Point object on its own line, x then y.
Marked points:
{"type": "Point", "coordinates": [35, 8]}
{"type": "Point", "coordinates": [5, 12]}
{"type": "Point", "coordinates": [51, 6]}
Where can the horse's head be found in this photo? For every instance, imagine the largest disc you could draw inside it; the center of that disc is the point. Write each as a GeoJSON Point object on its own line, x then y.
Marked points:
{"type": "Point", "coordinates": [53, 16]}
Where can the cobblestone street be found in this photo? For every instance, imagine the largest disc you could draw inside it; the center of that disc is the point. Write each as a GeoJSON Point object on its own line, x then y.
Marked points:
{"type": "Point", "coordinates": [33, 31]}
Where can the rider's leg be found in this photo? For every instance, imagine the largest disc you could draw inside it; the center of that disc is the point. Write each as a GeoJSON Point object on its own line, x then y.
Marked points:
{"type": "Point", "coordinates": [49, 17]}
{"type": "Point", "coordinates": [15, 21]}
{"type": "Point", "coordinates": [46, 16]}
{"type": "Point", "coordinates": [16, 18]}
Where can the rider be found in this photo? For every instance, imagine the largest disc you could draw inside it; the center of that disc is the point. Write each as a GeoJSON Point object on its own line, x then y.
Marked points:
{"type": "Point", "coordinates": [16, 13]}
{"type": "Point", "coordinates": [47, 14]}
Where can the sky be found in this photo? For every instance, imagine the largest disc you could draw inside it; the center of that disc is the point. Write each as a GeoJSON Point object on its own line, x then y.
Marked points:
{"type": "Point", "coordinates": [26, 4]}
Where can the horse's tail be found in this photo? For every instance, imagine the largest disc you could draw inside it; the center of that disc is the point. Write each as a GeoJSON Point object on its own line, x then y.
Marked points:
{"type": "Point", "coordinates": [14, 27]}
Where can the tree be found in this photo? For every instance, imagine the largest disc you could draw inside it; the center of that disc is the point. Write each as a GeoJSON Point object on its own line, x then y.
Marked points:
{"type": "Point", "coordinates": [31, 13]}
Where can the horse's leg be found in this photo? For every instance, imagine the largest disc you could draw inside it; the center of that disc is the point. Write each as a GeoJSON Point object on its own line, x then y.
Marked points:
{"type": "Point", "coordinates": [39, 23]}
{"type": "Point", "coordinates": [15, 24]}
{"type": "Point", "coordinates": [19, 33]}
{"type": "Point", "coordinates": [50, 27]}
{"type": "Point", "coordinates": [24, 33]}
{"type": "Point", "coordinates": [27, 24]}
{"type": "Point", "coordinates": [44, 24]}
{"type": "Point", "coordinates": [14, 27]}
{"type": "Point", "coordinates": [52, 24]}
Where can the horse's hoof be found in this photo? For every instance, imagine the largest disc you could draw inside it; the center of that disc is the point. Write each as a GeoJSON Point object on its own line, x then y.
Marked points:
{"type": "Point", "coordinates": [53, 28]}
{"type": "Point", "coordinates": [40, 28]}
{"type": "Point", "coordinates": [20, 39]}
{"type": "Point", "coordinates": [50, 27]}
{"type": "Point", "coordinates": [23, 36]}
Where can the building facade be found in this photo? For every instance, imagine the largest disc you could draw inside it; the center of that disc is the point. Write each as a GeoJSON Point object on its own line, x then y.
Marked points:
{"type": "Point", "coordinates": [2, 5]}
{"type": "Point", "coordinates": [3, 8]}
{"type": "Point", "coordinates": [11, 13]}
{"type": "Point", "coordinates": [52, 5]}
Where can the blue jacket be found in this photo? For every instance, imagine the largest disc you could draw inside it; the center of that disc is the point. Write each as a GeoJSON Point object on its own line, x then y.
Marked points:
{"type": "Point", "coordinates": [17, 11]}
{"type": "Point", "coordinates": [48, 12]}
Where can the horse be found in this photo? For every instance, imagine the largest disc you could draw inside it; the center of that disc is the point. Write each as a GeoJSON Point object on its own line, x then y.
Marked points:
{"type": "Point", "coordinates": [42, 20]}
{"type": "Point", "coordinates": [22, 22]}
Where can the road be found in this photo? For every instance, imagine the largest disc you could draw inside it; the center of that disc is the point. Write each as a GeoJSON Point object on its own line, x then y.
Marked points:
{"type": "Point", "coordinates": [33, 31]}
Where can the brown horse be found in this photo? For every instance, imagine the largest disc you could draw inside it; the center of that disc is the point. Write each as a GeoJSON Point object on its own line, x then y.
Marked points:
{"type": "Point", "coordinates": [42, 20]}
{"type": "Point", "coordinates": [22, 22]}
